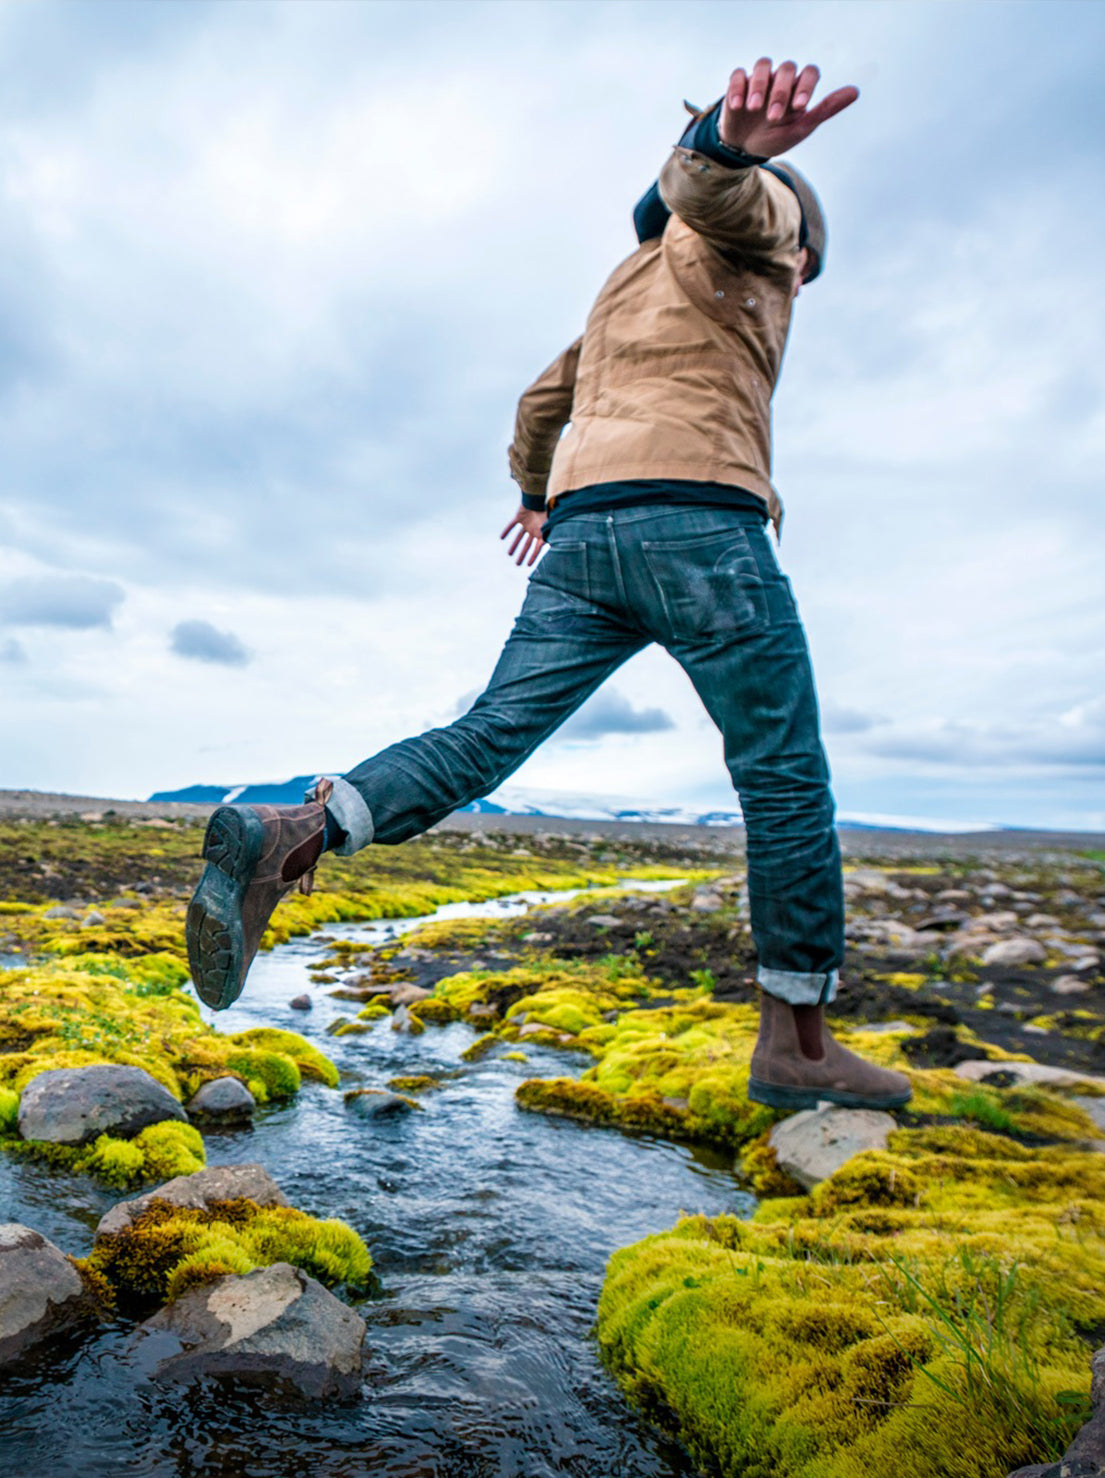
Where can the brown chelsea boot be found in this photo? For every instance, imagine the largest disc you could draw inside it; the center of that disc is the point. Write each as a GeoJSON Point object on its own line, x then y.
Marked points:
{"type": "Point", "coordinates": [254, 855]}
{"type": "Point", "coordinates": [798, 1064]}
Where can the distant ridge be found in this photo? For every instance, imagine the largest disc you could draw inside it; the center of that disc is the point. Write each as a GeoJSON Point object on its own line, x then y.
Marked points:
{"type": "Point", "coordinates": [516, 801]}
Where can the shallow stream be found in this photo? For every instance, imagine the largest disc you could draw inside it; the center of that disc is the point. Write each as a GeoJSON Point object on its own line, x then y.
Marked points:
{"type": "Point", "coordinates": [490, 1229]}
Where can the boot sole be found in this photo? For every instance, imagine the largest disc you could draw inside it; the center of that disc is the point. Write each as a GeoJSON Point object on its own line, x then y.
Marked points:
{"type": "Point", "coordinates": [776, 1096]}
{"type": "Point", "coordinates": [213, 929]}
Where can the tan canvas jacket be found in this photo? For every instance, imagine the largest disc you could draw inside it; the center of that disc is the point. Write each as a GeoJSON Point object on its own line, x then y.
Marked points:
{"type": "Point", "coordinates": [674, 373]}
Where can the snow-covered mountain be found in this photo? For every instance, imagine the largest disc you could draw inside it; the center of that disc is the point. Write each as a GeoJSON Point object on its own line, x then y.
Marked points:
{"type": "Point", "coordinates": [518, 801]}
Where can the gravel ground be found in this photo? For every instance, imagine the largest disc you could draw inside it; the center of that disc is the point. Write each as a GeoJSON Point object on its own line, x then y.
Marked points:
{"type": "Point", "coordinates": [855, 841]}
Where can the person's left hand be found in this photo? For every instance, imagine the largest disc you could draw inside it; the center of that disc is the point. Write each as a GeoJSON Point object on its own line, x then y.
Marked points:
{"type": "Point", "coordinates": [767, 112]}
{"type": "Point", "coordinates": [528, 539]}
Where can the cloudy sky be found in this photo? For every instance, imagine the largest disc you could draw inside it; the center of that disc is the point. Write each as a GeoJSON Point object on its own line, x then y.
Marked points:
{"type": "Point", "coordinates": [274, 275]}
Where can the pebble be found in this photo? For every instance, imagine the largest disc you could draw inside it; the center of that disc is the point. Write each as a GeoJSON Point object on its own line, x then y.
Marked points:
{"type": "Point", "coordinates": [1069, 985]}
{"type": "Point", "coordinates": [1017, 951]}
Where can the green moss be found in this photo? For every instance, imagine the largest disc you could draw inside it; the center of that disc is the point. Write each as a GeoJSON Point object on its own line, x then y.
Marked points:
{"type": "Point", "coordinates": [415, 1083]}
{"type": "Point", "coordinates": [274, 1073]}
{"type": "Point", "coordinates": [374, 1011]}
{"type": "Point", "coordinates": [9, 1111]}
{"type": "Point", "coordinates": [308, 1059]}
{"type": "Point", "coordinates": [760, 1166]}
{"type": "Point", "coordinates": [480, 1047]}
{"type": "Point", "coordinates": [168, 1249]}
{"type": "Point", "coordinates": [88, 1009]}
{"type": "Point", "coordinates": [158, 1153]}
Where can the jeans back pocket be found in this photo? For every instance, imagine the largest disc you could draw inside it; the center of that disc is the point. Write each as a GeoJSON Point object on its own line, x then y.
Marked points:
{"type": "Point", "coordinates": [707, 584]}
{"type": "Point", "coordinates": [564, 570]}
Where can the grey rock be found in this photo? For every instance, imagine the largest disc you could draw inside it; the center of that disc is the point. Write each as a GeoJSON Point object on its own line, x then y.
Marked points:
{"type": "Point", "coordinates": [943, 918]}
{"type": "Point", "coordinates": [1014, 952]}
{"type": "Point", "coordinates": [813, 1144]}
{"type": "Point", "coordinates": [40, 1291]}
{"type": "Point", "coordinates": [604, 920]}
{"type": "Point", "coordinates": [300, 1003]}
{"type": "Point", "coordinates": [62, 911]}
{"type": "Point", "coordinates": [374, 1103]}
{"type": "Point", "coordinates": [1043, 921]}
{"type": "Point", "coordinates": [409, 995]}
{"type": "Point", "coordinates": [220, 1183]}
{"type": "Point", "coordinates": [1069, 985]}
{"type": "Point", "coordinates": [222, 1098]}
{"type": "Point", "coordinates": [995, 922]}
{"type": "Point", "coordinates": [275, 1327]}
{"type": "Point", "coordinates": [705, 900]}
{"type": "Point", "coordinates": [977, 1070]}
{"type": "Point", "coordinates": [93, 916]}
{"type": "Point", "coordinates": [74, 1105]}
{"type": "Point", "coordinates": [1094, 1107]}
{"type": "Point", "coordinates": [870, 880]}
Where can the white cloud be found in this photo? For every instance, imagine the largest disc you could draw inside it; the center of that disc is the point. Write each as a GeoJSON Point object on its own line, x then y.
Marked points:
{"type": "Point", "coordinates": [278, 272]}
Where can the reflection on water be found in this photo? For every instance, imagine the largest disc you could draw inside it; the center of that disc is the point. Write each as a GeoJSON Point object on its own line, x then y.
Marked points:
{"type": "Point", "coordinates": [490, 1229]}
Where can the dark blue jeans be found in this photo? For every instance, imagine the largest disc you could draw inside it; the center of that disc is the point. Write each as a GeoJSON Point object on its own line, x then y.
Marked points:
{"type": "Point", "coordinates": [704, 583]}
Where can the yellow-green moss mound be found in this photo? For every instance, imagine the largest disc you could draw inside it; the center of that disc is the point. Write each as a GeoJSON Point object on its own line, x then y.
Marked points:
{"type": "Point", "coordinates": [66, 1014]}
{"type": "Point", "coordinates": [169, 1249]}
{"type": "Point", "coordinates": [159, 1152]}
{"type": "Point", "coordinates": [919, 1313]}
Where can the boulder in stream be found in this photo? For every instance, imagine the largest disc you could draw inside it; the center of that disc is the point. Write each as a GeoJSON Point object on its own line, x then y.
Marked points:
{"type": "Point", "coordinates": [222, 1100]}
{"type": "Point", "coordinates": [251, 1182]}
{"type": "Point", "coordinates": [75, 1105]}
{"type": "Point", "coordinates": [275, 1327]}
{"type": "Point", "coordinates": [374, 1103]}
{"type": "Point", "coordinates": [41, 1291]}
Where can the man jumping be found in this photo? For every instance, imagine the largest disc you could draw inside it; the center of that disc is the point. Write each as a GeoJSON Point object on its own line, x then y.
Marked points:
{"type": "Point", "coordinates": [644, 458]}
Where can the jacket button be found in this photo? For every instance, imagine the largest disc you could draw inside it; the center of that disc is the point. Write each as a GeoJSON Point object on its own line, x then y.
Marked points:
{"type": "Point", "coordinates": [750, 302]}
{"type": "Point", "coordinates": [719, 293]}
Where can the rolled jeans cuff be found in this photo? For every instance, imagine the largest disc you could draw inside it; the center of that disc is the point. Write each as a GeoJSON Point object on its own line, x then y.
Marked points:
{"type": "Point", "coordinates": [797, 988]}
{"type": "Point", "coordinates": [348, 809]}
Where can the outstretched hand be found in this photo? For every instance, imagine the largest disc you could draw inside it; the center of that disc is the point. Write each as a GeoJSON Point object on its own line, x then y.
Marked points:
{"type": "Point", "coordinates": [528, 539]}
{"type": "Point", "coordinates": [767, 112]}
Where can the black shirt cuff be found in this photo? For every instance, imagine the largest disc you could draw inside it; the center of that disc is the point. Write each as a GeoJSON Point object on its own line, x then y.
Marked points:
{"type": "Point", "coordinates": [533, 502]}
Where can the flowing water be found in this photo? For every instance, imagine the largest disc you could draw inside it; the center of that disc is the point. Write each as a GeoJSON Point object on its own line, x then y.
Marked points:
{"type": "Point", "coordinates": [489, 1227]}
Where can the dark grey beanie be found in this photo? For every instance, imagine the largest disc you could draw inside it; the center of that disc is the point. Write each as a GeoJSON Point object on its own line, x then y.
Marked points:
{"type": "Point", "coordinates": [814, 234]}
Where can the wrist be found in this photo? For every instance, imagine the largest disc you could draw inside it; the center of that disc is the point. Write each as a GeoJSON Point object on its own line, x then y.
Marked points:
{"type": "Point", "coordinates": [533, 502]}
{"type": "Point", "coordinates": [704, 136]}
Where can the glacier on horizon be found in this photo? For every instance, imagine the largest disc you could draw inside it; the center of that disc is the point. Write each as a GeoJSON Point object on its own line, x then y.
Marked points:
{"type": "Point", "coordinates": [513, 800]}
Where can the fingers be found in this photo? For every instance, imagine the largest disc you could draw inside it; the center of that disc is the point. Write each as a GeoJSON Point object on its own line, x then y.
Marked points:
{"type": "Point", "coordinates": [835, 103]}
{"type": "Point", "coordinates": [803, 88]}
{"type": "Point", "coordinates": [758, 85]}
{"type": "Point", "coordinates": [532, 545]}
{"type": "Point", "coordinates": [781, 91]}
{"type": "Point", "coordinates": [782, 84]}
{"type": "Point", "coordinates": [738, 89]}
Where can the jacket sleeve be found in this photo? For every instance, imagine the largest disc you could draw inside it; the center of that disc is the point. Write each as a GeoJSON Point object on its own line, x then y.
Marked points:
{"type": "Point", "coordinates": [735, 208]}
{"type": "Point", "coordinates": [543, 412]}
